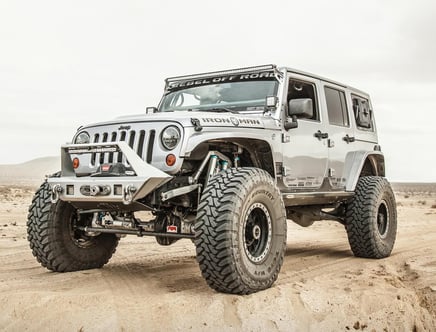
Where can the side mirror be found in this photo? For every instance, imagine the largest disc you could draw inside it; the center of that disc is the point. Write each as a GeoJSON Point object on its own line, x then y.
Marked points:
{"type": "Point", "coordinates": [301, 108]}
{"type": "Point", "coordinates": [150, 110]}
{"type": "Point", "coordinates": [298, 108]}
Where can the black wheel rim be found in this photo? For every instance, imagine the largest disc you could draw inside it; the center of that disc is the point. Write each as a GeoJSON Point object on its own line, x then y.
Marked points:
{"type": "Point", "coordinates": [383, 219]}
{"type": "Point", "coordinates": [257, 232]}
{"type": "Point", "coordinates": [79, 237]}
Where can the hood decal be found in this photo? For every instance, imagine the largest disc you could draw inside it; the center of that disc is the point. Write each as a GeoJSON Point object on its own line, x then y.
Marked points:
{"type": "Point", "coordinates": [246, 122]}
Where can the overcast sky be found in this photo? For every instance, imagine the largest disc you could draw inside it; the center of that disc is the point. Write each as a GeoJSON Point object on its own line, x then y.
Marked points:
{"type": "Point", "coordinates": [68, 63]}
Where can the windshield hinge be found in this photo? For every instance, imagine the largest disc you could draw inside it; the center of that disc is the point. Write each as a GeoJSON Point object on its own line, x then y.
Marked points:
{"type": "Point", "coordinates": [196, 123]}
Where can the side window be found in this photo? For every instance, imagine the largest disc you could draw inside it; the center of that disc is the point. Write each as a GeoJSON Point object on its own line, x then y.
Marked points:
{"type": "Point", "coordinates": [300, 89]}
{"type": "Point", "coordinates": [336, 107]}
{"type": "Point", "coordinates": [362, 113]}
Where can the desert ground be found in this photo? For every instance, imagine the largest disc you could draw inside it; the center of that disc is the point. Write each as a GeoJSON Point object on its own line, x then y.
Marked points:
{"type": "Point", "coordinates": [321, 287]}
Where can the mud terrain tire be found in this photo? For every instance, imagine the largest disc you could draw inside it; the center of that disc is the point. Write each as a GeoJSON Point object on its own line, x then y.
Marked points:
{"type": "Point", "coordinates": [240, 233]}
{"type": "Point", "coordinates": [371, 218]}
{"type": "Point", "coordinates": [56, 245]}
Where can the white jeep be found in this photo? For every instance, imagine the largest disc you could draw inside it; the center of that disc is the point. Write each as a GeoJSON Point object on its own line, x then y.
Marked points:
{"type": "Point", "coordinates": [223, 160]}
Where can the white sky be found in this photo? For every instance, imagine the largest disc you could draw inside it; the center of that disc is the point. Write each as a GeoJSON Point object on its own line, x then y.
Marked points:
{"type": "Point", "coordinates": [68, 63]}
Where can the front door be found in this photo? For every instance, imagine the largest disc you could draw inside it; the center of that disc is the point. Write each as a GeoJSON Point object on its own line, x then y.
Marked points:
{"type": "Point", "coordinates": [305, 152]}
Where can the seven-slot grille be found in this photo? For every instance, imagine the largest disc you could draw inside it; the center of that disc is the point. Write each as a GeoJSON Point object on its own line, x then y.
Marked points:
{"type": "Point", "coordinates": [140, 141]}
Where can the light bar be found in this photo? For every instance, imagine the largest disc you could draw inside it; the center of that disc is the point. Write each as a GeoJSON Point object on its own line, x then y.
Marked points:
{"type": "Point", "coordinates": [222, 72]}
{"type": "Point", "coordinates": [92, 150]}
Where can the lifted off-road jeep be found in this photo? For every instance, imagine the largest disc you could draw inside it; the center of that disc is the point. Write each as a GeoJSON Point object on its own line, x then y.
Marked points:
{"type": "Point", "coordinates": [223, 160]}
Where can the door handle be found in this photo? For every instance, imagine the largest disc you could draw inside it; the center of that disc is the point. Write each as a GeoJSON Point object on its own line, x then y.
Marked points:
{"type": "Point", "coordinates": [349, 139]}
{"type": "Point", "coordinates": [320, 135]}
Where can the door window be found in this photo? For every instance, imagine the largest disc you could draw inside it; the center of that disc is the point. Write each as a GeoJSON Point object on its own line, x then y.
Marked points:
{"type": "Point", "coordinates": [362, 113]}
{"type": "Point", "coordinates": [299, 89]}
{"type": "Point", "coordinates": [336, 107]}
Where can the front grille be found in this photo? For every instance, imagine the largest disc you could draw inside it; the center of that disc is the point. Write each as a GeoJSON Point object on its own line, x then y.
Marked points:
{"type": "Point", "coordinates": [140, 141]}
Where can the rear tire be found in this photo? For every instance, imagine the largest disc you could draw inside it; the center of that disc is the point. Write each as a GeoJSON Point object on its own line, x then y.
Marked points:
{"type": "Point", "coordinates": [56, 244]}
{"type": "Point", "coordinates": [240, 231]}
{"type": "Point", "coordinates": [371, 218]}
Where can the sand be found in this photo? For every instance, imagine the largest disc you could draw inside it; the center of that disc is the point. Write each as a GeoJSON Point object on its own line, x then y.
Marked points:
{"type": "Point", "coordinates": [321, 287]}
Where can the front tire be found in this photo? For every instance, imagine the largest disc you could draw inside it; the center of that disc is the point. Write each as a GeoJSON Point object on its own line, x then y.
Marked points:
{"type": "Point", "coordinates": [55, 242]}
{"type": "Point", "coordinates": [371, 218]}
{"type": "Point", "coordinates": [240, 233]}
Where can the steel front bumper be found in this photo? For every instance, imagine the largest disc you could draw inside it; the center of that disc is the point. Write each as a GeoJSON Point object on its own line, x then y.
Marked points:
{"type": "Point", "coordinates": [116, 189]}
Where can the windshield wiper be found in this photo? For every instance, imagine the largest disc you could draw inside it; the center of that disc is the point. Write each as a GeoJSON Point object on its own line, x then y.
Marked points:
{"type": "Point", "coordinates": [213, 109]}
{"type": "Point", "coordinates": [221, 110]}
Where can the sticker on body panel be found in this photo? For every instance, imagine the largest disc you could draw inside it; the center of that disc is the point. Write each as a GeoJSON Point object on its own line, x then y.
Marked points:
{"type": "Point", "coordinates": [174, 86]}
{"type": "Point", "coordinates": [243, 122]}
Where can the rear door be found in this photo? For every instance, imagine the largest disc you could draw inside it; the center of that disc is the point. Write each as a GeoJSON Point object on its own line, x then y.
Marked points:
{"type": "Point", "coordinates": [340, 131]}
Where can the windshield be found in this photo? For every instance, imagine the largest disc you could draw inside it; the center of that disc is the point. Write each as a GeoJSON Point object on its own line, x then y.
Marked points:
{"type": "Point", "coordinates": [237, 96]}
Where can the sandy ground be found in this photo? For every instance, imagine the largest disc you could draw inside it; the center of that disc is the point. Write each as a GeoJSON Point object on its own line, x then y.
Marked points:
{"type": "Point", "coordinates": [321, 287]}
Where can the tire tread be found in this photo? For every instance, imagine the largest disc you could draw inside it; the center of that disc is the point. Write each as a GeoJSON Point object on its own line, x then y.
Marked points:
{"type": "Point", "coordinates": [361, 211]}
{"type": "Point", "coordinates": [47, 247]}
{"type": "Point", "coordinates": [213, 244]}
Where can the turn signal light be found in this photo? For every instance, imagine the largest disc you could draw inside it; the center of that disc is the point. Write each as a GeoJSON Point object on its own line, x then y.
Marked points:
{"type": "Point", "coordinates": [76, 163]}
{"type": "Point", "coordinates": [170, 159]}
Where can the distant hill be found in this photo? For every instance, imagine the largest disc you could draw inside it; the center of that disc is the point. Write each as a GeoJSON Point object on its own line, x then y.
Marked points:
{"type": "Point", "coordinates": [30, 172]}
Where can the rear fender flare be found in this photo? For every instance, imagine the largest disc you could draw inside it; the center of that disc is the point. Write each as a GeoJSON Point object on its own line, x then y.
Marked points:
{"type": "Point", "coordinates": [354, 163]}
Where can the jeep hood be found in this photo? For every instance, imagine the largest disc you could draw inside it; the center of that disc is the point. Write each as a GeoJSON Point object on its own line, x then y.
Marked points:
{"type": "Point", "coordinates": [206, 119]}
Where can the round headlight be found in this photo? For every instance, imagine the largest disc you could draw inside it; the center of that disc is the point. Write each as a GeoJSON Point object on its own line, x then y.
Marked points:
{"type": "Point", "coordinates": [170, 137]}
{"type": "Point", "coordinates": [82, 138]}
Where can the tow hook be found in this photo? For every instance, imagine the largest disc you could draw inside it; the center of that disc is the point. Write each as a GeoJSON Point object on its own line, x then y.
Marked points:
{"type": "Point", "coordinates": [128, 194]}
{"type": "Point", "coordinates": [55, 193]}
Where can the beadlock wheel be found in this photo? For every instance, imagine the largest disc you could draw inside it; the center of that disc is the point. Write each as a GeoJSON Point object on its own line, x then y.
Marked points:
{"type": "Point", "coordinates": [80, 238]}
{"type": "Point", "coordinates": [55, 240]}
{"type": "Point", "coordinates": [371, 218]}
{"type": "Point", "coordinates": [257, 232]}
{"type": "Point", "coordinates": [383, 219]}
{"type": "Point", "coordinates": [240, 232]}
